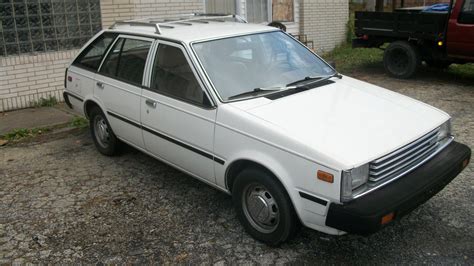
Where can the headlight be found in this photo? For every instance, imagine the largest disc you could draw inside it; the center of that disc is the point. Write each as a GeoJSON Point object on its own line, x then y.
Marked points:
{"type": "Point", "coordinates": [444, 130]}
{"type": "Point", "coordinates": [353, 179]}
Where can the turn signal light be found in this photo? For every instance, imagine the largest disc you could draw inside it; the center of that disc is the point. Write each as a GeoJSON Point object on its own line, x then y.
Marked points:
{"type": "Point", "coordinates": [440, 43]}
{"type": "Point", "coordinates": [325, 176]}
{"type": "Point", "coordinates": [387, 218]}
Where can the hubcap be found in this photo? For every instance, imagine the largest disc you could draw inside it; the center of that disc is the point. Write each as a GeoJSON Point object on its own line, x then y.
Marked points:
{"type": "Point", "coordinates": [101, 131]}
{"type": "Point", "coordinates": [260, 208]}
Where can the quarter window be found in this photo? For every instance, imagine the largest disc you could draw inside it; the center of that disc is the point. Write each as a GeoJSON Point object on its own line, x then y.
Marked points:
{"type": "Point", "coordinates": [173, 76]}
{"type": "Point", "coordinates": [93, 54]}
{"type": "Point", "coordinates": [126, 60]}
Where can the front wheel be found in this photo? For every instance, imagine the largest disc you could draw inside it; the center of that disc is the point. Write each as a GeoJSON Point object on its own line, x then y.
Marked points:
{"type": "Point", "coordinates": [401, 59]}
{"type": "Point", "coordinates": [263, 207]}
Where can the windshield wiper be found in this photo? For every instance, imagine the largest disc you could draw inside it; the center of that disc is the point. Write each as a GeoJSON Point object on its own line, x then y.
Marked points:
{"type": "Point", "coordinates": [308, 78]}
{"type": "Point", "coordinates": [290, 86]}
{"type": "Point", "coordinates": [315, 78]}
{"type": "Point", "coordinates": [257, 91]}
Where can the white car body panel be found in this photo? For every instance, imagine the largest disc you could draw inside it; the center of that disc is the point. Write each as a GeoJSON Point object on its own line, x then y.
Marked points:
{"type": "Point", "coordinates": [349, 121]}
{"type": "Point", "coordinates": [330, 128]}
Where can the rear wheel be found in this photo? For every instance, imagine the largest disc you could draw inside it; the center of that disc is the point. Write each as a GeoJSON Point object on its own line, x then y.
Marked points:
{"type": "Point", "coordinates": [104, 138]}
{"type": "Point", "coordinates": [263, 207]}
{"type": "Point", "coordinates": [401, 59]}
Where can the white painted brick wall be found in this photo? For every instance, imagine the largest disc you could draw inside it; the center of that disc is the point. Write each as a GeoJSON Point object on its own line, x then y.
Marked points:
{"type": "Point", "coordinates": [27, 78]}
{"type": "Point", "coordinates": [324, 22]}
{"type": "Point", "coordinates": [113, 10]}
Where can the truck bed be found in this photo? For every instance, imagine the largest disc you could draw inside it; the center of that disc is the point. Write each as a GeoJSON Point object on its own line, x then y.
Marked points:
{"type": "Point", "coordinates": [427, 26]}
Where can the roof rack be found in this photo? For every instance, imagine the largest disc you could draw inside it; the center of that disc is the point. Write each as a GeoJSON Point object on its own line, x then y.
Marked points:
{"type": "Point", "coordinates": [187, 20]}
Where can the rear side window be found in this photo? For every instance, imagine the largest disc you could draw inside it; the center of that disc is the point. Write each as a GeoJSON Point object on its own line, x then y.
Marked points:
{"type": "Point", "coordinates": [91, 57]}
{"type": "Point", "coordinates": [126, 60]}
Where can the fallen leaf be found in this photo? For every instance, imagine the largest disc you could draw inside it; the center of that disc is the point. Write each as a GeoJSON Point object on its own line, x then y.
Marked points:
{"type": "Point", "coordinates": [3, 142]}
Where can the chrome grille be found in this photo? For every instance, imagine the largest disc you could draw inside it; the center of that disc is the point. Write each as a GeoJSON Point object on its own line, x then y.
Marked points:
{"type": "Point", "coordinates": [402, 159]}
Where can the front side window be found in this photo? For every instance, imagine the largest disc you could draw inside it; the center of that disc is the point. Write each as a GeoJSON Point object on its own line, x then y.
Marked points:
{"type": "Point", "coordinates": [126, 60]}
{"type": "Point", "coordinates": [242, 64]}
{"type": "Point", "coordinates": [92, 56]}
{"type": "Point", "coordinates": [173, 76]}
{"type": "Point", "coordinates": [467, 13]}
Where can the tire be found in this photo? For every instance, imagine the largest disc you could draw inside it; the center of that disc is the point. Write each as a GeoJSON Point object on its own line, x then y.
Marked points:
{"type": "Point", "coordinates": [272, 225]}
{"type": "Point", "coordinates": [437, 63]}
{"type": "Point", "coordinates": [104, 138]}
{"type": "Point", "coordinates": [401, 59]}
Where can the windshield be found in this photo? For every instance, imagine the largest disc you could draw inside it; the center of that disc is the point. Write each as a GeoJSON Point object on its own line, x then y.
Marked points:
{"type": "Point", "coordinates": [267, 60]}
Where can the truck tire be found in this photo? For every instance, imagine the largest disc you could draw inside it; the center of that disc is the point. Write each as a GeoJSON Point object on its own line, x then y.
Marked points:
{"type": "Point", "coordinates": [401, 59]}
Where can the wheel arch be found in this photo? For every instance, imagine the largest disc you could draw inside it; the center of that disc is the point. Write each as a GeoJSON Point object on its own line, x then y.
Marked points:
{"type": "Point", "coordinates": [237, 165]}
{"type": "Point", "coordinates": [89, 104]}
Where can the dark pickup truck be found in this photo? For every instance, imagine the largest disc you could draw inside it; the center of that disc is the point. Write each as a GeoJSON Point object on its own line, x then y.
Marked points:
{"type": "Point", "coordinates": [416, 35]}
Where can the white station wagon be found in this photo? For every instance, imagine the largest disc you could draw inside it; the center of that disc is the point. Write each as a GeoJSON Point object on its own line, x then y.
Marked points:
{"type": "Point", "coordinates": [253, 112]}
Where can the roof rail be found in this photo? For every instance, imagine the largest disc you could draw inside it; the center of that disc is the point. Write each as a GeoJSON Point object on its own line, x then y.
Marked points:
{"type": "Point", "coordinates": [137, 23]}
{"type": "Point", "coordinates": [186, 19]}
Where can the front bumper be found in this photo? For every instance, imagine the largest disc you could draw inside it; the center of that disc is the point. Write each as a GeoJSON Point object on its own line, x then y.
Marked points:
{"type": "Point", "coordinates": [364, 215]}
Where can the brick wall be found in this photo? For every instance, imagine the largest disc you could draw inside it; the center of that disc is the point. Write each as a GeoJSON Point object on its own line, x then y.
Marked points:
{"type": "Point", "coordinates": [113, 10]}
{"type": "Point", "coordinates": [27, 78]}
{"type": "Point", "coordinates": [324, 22]}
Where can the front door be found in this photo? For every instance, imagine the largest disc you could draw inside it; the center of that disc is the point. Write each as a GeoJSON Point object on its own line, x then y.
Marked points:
{"type": "Point", "coordinates": [118, 86]}
{"type": "Point", "coordinates": [176, 114]}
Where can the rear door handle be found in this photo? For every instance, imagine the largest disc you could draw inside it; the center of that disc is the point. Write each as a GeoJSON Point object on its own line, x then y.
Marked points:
{"type": "Point", "coordinates": [100, 84]}
{"type": "Point", "coordinates": [150, 103]}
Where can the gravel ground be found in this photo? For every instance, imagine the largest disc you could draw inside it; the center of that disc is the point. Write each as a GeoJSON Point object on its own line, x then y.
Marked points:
{"type": "Point", "coordinates": [61, 201]}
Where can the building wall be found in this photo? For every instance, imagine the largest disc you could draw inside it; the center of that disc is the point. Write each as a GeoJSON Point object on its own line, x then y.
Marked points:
{"type": "Point", "coordinates": [113, 10]}
{"type": "Point", "coordinates": [324, 22]}
{"type": "Point", "coordinates": [26, 78]}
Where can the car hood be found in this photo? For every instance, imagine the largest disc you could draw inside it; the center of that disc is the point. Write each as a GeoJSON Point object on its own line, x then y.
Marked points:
{"type": "Point", "coordinates": [350, 121]}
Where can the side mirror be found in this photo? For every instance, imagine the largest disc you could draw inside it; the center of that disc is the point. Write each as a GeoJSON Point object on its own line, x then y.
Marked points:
{"type": "Point", "coordinates": [332, 64]}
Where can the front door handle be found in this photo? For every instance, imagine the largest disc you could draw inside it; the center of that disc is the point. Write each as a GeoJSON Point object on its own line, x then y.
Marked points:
{"type": "Point", "coordinates": [150, 103]}
{"type": "Point", "coordinates": [100, 84]}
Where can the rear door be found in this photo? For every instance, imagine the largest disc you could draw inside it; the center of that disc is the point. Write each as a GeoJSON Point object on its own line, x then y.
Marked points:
{"type": "Point", "coordinates": [119, 84]}
{"type": "Point", "coordinates": [177, 115]}
{"type": "Point", "coordinates": [461, 31]}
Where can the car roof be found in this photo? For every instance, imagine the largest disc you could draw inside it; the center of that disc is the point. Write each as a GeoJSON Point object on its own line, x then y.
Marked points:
{"type": "Point", "coordinates": [191, 29]}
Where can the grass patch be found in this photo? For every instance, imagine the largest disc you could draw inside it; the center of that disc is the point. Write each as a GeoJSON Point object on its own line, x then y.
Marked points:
{"type": "Point", "coordinates": [79, 122]}
{"type": "Point", "coordinates": [462, 71]}
{"type": "Point", "coordinates": [23, 133]}
{"type": "Point", "coordinates": [46, 102]}
{"type": "Point", "coordinates": [348, 59]}
{"type": "Point", "coordinates": [27, 133]}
